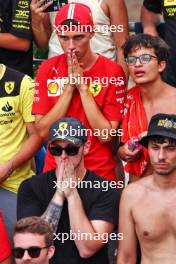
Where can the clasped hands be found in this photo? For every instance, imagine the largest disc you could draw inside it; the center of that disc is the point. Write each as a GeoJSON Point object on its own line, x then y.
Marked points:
{"type": "Point", "coordinates": [66, 179]}
{"type": "Point", "coordinates": [75, 72]}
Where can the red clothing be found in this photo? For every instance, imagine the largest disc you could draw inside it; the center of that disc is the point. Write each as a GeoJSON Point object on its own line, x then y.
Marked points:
{"type": "Point", "coordinates": [5, 251]}
{"type": "Point", "coordinates": [134, 123]}
{"type": "Point", "coordinates": [108, 98]}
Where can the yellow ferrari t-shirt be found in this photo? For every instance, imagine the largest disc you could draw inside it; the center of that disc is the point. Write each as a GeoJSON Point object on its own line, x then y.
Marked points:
{"type": "Point", "coordinates": [16, 97]}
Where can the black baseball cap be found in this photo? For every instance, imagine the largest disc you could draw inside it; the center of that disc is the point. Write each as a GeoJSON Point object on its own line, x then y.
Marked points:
{"type": "Point", "coordinates": [160, 125]}
{"type": "Point", "coordinates": [68, 128]}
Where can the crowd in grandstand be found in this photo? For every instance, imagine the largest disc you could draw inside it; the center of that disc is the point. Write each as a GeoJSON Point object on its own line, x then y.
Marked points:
{"type": "Point", "coordinates": [103, 190]}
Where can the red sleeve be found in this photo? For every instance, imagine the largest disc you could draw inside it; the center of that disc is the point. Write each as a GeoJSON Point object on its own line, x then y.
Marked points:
{"type": "Point", "coordinates": [41, 102]}
{"type": "Point", "coordinates": [5, 251]}
{"type": "Point", "coordinates": [114, 100]}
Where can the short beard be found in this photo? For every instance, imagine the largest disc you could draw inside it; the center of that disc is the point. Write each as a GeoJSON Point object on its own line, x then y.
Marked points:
{"type": "Point", "coordinates": [165, 172]}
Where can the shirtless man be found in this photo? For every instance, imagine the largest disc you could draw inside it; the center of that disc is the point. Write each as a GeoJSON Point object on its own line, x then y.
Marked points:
{"type": "Point", "coordinates": [147, 209]}
{"type": "Point", "coordinates": [146, 57]}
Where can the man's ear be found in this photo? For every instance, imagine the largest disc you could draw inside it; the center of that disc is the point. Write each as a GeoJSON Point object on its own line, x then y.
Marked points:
{"type": "Point", "coordinates": [91, 34]}
{"type": "Point", "coordinates": [87, 147]}
{"type": "Point", "coordinates": [51, 251]}
{"type": "Point", "coordinates": [162, 66]}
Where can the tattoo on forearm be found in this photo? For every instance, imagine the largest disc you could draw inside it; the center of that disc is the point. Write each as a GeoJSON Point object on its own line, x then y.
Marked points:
{"type": "Point", "coordinates": [52, 215]}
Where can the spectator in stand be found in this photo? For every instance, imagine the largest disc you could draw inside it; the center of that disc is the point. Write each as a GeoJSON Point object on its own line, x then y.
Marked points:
{"type": "Point", "coordinates": [33, 241]}
{"type": "Point", "coordinates": [146, 57]}
{"type": "Point", "coordinates": [16, 35]}
{"type": "Point", "coordinates": [110, 17]}
{"type": "Point", "coordinates": [151, 13]}
{"type": "Point", "coordinates": [98, 105]}
{"type": "Point", "coordinates": [72, 199]}
{"type": "Point", "coordinates": [146, 207]}
{"type": "Point", "coordinates": [5, 252]}
{"type": "Point", "coordinates": [18, 138]}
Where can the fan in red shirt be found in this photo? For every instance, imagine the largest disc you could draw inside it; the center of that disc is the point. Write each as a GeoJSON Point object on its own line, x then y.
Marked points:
{"type": "Point", "coordinates": [5, 251]}
{"type": "Point", "coordinates": [146, 57]}
{"type": "Point", "coordinates": [81, 84]}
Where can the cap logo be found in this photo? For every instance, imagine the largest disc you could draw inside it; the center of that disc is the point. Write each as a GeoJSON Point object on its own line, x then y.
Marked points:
{"type": "Point", "coordinates": [166, 123]}
{"type": "Point", "coordinates": [63, 126]}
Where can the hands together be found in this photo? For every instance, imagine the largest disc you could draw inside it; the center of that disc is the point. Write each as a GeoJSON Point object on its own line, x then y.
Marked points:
{"type": "Point", "coordinates": [75, 71]}
{"type": "Point", "coordinates": [66, 179]}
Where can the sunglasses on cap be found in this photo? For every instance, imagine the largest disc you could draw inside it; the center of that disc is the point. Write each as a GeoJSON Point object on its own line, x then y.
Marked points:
{"type": "Point", "coordinates": [33, 252]}
{"type": "Point", "coordinates": [56, 150]}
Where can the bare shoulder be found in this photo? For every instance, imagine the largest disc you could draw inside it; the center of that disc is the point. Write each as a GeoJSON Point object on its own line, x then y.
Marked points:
{"type": "Point", "coordinates": [170, 99]}
{"type": "Point", "coordinates": [136, 190]}
{"type": "Point", "coordinates": [171, 90]}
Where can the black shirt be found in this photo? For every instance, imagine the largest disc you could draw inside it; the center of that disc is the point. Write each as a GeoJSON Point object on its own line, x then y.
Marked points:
{"type": "Point", "coordinates": [168, 8]}
{"type": "Point", "coordinates": [15, 19]}
{"type": "Point", "coordinates": [35, 194]}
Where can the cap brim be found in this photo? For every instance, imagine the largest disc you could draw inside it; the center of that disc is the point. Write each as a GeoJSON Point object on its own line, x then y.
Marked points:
{"type": "Point", "coordinates": [144, 141]}
{"type": "Point", "coordinates": [72, 140]}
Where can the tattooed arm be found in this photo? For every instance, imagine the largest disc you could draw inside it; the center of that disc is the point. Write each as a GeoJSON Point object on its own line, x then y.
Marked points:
{"type": "Point", "coordinates": [54, 209]}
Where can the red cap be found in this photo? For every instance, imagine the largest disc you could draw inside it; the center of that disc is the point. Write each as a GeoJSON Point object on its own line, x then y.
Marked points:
{"type": "Point", "coordinates": [79, 12]}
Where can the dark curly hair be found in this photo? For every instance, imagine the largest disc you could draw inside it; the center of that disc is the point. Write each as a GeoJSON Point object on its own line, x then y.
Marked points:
{"type": "Point", "coordinates": [160, 47]}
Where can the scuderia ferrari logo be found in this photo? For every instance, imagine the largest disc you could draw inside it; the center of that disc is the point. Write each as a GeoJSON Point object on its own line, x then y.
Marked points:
{"type": "Point", "coordinates": [95, 88]}
{"type": "Point", "coordinates": [63, 126]}
{"type": "Point", "coordinates": [9, 87]}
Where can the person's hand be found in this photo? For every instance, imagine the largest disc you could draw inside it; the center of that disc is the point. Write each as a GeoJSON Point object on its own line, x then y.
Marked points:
{"type": "Point", "coordinates": [69, 178]}
{"type": "Point", "coordinates": [59, 176]}
{"type": "Point", "coordinates": [128, 155]}
{"type": "Point", "coordinates": [5, 170]}
{"type": "Point", "coordinates": [75, 71]}
{"type": "Point", "coordinates": [37, 7]}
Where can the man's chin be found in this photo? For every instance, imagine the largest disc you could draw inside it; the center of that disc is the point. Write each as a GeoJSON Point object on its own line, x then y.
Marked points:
{"type": "Point", "coordinates": [139, 81]}
{"type": "Point", "coordinates": [163, 172]}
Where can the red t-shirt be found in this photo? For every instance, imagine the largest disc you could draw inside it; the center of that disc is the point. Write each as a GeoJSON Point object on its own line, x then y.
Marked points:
{"type": "Point", "coordinates": [4, 242]}
{"type": "Point", "coordinates": [109, 98]}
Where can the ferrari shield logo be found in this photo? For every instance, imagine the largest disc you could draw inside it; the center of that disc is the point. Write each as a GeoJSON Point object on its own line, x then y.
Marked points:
{"type": "Point", "coordinates": [63, 126]}
{"type": "Point", "coordinates": [95, 88]}
{"type": "Point", "coordinates": [9, 87]}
